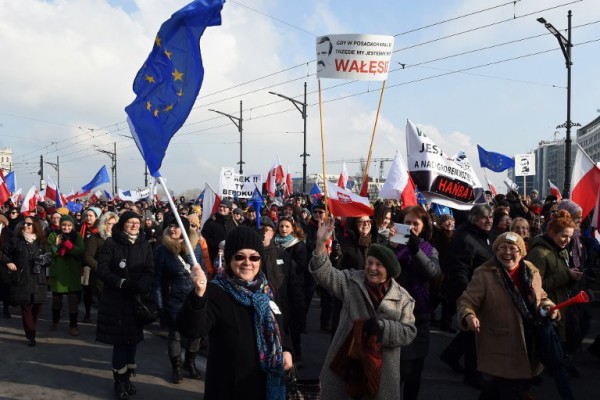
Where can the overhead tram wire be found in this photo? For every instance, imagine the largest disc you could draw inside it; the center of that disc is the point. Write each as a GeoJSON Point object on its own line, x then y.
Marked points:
{"type": "Point", "coordinates": [302, 64]}
{"type": "Point", "coordinates": [485, 26]}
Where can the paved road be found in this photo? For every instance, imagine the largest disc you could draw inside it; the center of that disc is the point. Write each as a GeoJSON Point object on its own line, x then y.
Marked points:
{"type": "Point", "coordinates": [62, 366]}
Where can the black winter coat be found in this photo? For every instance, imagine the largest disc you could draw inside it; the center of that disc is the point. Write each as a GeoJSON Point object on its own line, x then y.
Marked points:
{"type": "Point", "coordinates": [233, 369]}
{"type": "Point", "coordinates": [172, 282]}
{"type": "Point", "coordinates": [215, 230]}
{"type": "Point", "coordinates": [25, 286]}
{"type": "Point", "coordinates": [116, 319]}
{"type": "Point", "coordinates": [470, 248]}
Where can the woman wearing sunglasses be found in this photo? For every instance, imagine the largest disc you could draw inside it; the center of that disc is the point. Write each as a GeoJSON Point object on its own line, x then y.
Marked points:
{"type": "Point", "coordinates": [26, 258]}
{"type": "Point", "coordinates": [236, 310]}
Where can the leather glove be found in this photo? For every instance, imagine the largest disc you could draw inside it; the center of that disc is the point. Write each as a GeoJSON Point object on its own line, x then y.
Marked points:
{"type": "Point", "coordinates": [336, 250]}
{"type": "Point", "coordinates": [413, 243]}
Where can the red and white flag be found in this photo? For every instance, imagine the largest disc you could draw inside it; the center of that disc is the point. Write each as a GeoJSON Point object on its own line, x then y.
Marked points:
{"type": "Point", "coordinates": [585, 182]}
{"type": "Point", "coordinates": [491, 187]}
{"type": "Point", "coordinates": [364, 188]}
{"type": "Point", "coordinates": [344, 203]}
{"type": "Point", "coordinates": [53, 193]}
{"type": "Point", "coordinates": [4, 192]}
{"type": "Point", "coordinates": [343, 179]}
{"type": "Point", "coordinates": [16, 197]}
{"type": "Point", "coordinates": [95, 197]}
{"type": "Point", "coordinates": [30, 201]}
{"type": "Point", "coordinates": [554, 190]}
{"type": "Point", "coordinates": [210, 203]}
{"type": "Point", "coordinates": [399, 185]}
{"type": "Point", "coordinates": [287, 191]}
{"type": "Point", "coordinates": [596, 216]}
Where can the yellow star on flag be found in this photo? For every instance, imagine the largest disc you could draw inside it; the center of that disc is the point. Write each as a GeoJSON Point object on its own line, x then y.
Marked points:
{"type": "Point", "coordinates": [157, 41]}
{"type": "Point", "coordinates": [177, 76]}
{"type": "Point", "coordinates": [168, 54]}
{"type": "Point", "coordinates": [148, 106]}
{"type": "Point", "coordinates": [156, 112]}
{"type": "Point", "coordinates": [149, 78]}
{"type": "Point", "coordinates": [168, 108]}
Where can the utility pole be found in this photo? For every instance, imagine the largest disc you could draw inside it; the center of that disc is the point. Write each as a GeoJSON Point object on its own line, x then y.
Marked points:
{"type": "Point", "coordinates": [57, 169]}
{"type": "Point", "coordinates": [41, 173]}
{"type": "Point", "coordinates": [113, 158]}
{"type": "Point", "coordinates": [145, 175]}
{"type": "Point", "coordinates": [237, 121]}
{"type": "Point", "coordinates": [565, 45]}
{"type": "Point", "coordinates": [302, 110]}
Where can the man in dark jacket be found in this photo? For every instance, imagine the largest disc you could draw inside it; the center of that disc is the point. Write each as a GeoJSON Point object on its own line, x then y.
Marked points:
{"type": "Point", "coordinates": [469, 249]}
{"type": "Point", "coordinates": [215, 230]}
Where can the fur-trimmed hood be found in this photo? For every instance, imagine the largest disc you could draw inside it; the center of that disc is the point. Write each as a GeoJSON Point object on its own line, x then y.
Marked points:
{"type": "Point", "coordinates": [177, 247]}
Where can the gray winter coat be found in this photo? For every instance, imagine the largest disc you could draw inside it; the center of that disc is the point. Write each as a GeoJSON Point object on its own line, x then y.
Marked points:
{"type": "Point", "coordinates": [395, 316]}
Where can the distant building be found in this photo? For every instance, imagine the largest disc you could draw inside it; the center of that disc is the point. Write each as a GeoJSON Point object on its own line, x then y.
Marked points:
{"type": "Point", "coordinates": [588, 137]}
{"type": "Point", "coordinates": [6, 159]}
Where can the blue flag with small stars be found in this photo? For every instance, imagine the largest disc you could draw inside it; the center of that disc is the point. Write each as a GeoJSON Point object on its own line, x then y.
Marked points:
{"type": "Point", "coordinates": [494, 161]}
{"type": "Point", "coordinates": [169, 81]}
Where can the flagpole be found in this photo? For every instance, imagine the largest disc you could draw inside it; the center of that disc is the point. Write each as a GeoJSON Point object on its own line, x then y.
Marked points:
{"type": "Point", "coordinates": [366, 175]}
{"type": "Point", "coordinates": [322, 148]}
{"type": "Point", "coordinates": [186, 239]}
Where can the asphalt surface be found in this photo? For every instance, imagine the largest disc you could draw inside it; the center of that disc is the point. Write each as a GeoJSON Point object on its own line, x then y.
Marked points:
{"type": "Point", "coordinates": [61, 366]}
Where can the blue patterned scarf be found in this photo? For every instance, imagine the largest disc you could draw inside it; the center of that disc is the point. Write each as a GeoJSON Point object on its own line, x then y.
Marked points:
{"type": "Point", "coordinates": [257, 294]}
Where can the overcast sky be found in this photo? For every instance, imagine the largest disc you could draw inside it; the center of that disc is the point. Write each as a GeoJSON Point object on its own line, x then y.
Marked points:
{"type": "Point", "coordinates": [68, 66]}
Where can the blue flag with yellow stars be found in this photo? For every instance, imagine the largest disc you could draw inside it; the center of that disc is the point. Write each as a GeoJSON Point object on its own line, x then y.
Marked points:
{"type": "Point", "coordinates": [494, 161]}
{"type": "Point", "coordinates": [169, 81]}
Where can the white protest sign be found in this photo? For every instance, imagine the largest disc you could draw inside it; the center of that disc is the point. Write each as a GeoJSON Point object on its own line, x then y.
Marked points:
{"type": "Point", "coordinates": [525, 164]}
{"type": "Point", "coordinates": [354, 56]}
{"type": "Point", "coordinates": [232, 184]}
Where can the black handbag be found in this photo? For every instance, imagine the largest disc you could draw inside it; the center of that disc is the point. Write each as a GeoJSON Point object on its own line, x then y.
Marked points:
{"type": "Point", "coordinates": [301, 389]}
{"type": "Point", "coordinates": [146, 309]}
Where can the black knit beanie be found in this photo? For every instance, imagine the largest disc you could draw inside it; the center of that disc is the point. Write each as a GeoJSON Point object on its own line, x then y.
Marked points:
{"type": "Point", "coordinates": [387, 258]}
{"type": "Point", "coordinates": [242, 237]}
{"type": "Point", "coordinates": [126, 216]}
{"type": "Point", "coordinates": [172, 221]}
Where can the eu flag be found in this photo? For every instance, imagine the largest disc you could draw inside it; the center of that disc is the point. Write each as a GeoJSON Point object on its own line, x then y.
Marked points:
{"type": "Point", "coordinates": [494, 161]}
{"type": "Point", "coordinates": [100, 178]}
{"type": "Point", "coordinates": [169, 81]}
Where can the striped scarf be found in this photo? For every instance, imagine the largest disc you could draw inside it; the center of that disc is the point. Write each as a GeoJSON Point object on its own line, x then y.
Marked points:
{"type": "Point", "coordinates": [257, 294]}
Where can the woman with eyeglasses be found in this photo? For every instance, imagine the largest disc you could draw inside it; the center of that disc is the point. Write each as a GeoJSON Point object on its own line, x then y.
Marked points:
{"type": "Point", "coordinates": [246, 357]}
{"type": "Point", "coordinates": [26, 257]}
{"type": "Point", "coordinates": [172, 284]}
{"type": "Point", "coordinates": [126, 267]}
{"type": "Point", "coordinates": [65, 272]}
{"type": "Point", "coordinates": [501, 304]}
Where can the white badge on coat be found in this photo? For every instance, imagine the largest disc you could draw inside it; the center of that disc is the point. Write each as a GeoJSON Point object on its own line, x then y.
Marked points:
{"type": "Point", "coordinates": [279, 261]}
{"type": "Point", "coordinates": [274, 308]}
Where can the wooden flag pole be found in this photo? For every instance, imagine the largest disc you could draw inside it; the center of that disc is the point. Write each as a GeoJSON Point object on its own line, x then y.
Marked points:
{"type": "Point", "coordinates": [366, 175]}
{"type": "Point", "coordinates": [186, 239]}
{"type": "Point", "coordinates": [323, 149]}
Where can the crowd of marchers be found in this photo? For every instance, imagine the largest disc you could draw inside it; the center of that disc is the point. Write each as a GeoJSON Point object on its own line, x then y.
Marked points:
{"type": "Point", "coordinates": [241, 292]}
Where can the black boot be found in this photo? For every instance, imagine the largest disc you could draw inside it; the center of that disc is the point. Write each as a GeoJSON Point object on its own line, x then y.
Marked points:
{"type": "Point", "coordinates": [120, 385]}
{"type": "Point", "coordinates": [131, 389]}
{"type": "Point", "coordinates": [177, 372]}
{"type": "Point", "coordinates": [190, 364]}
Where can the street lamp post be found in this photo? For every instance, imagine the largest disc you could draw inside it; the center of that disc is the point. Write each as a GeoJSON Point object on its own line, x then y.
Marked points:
{"type": "Point", "coordinates": [302, 110]}
{"type": "Point", "coordinates": [565, 46]}
{"type": "Point", "coordinates": [56, 168]}
{"type": "Point", "coordinates": [113, 158]}
{"type": "Point", "coordinates": [237, 121]}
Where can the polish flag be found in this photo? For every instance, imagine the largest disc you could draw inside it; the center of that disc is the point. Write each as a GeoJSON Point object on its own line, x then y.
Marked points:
{"type": "Point", "coordinates": [596, 216]}
{"type": "Point", "coordinates": [364, 189]}
{"type": "Point", "coordinates": [491, 187]}
{"type": "Point", "coordinates": [344, 203]}
{"type": "Point", "coordinates": [210, 203]}
{"type": "Point", "coordinates": [287, 191]}
{"type": "Point", "coordinates": [95, 197]}
{"type": "Point", "coordinates": [585, 182]}
{"type": "Point", "coordinates": [30, 201]}
{"type": "Point", "coordinates": [399, 185]}
{"type": "Point", "coordinates": [554, 190]}
{"type": "Point", "coordinates": [53, 193]}
{"type": "Point", "coordinates": [4, 192]}
{"type": "Point", "coordinates": [278, 172]}
{"type": "Point", "coordinates": [16, 197]}
{"type": "Point", "coordinates": [343, 179]}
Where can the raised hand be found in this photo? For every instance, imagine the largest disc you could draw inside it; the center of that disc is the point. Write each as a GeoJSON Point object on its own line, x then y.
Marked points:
{"type": "Point", "coordinates": [199, 279]}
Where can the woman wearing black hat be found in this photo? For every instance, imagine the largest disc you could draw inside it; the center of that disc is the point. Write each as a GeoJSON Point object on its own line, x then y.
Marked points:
{"type": "Point", "coordinates": [246, 359]}
{"type": "Point", "coordinates": [376, 318]}
{"type": "Point", "coordinates": [126, 267]}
